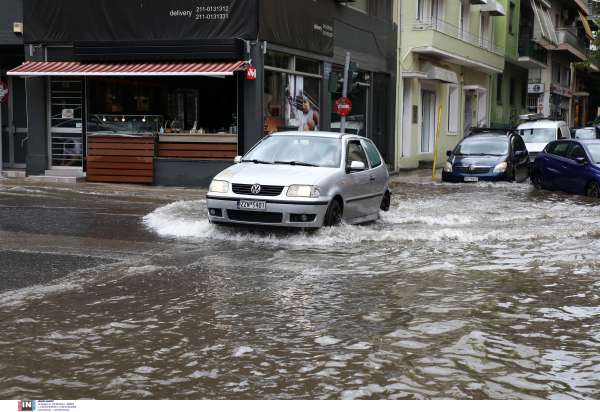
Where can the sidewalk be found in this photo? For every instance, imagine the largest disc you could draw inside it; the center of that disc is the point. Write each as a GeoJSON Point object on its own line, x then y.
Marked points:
{"type": "Point", "coordinates": [420, 176]}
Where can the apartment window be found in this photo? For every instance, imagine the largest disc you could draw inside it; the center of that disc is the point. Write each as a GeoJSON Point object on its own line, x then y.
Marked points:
{"type": "Point", "coordinates": [523, 94]}
{"type": "Point", "coordinates": [452, 109]}
{"type": "Point", "coordinates": [499, 89]}
{"type": "Point", "coordinates": [420, 9]}
{"type": "Point", "coordinates": [511, 92]}
{"type": "Point", "coordinates": [566, 76]}
{"type": "Point", "coordinates": [556, 72]}
{"type": "Point", "coordinates": [511, 16]}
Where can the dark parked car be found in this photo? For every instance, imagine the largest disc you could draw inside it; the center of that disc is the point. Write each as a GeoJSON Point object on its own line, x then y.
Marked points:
{"type": "Point", "coordinates": [488, 154]}
{"type": "Point", "coordinates": [585, 133]}
{"type": "Point", "coordinates": [571, 166]}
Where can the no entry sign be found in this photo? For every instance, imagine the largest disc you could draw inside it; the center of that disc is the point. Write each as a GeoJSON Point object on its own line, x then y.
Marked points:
{"type": "Point", "coordinates": [3, 92]}
{"type": "Point", "coordinates": [343, 106]}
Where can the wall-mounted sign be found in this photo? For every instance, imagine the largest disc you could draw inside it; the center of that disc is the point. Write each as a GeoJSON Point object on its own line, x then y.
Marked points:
{"type": "Point", "coordinates": [251, 73]}
{"type": "Point", "coordinates": [3, 92]}
{"type": "Point", "coordinates": [327, 71]}
{"type": "Point", "coordinates": [535, 88]}
{"type": "Point", "coordinates": [415, 114]}
{"type": "Point", "coordinates": [562, 91]}
{"type": "Point", "coordinates": [68, 114]}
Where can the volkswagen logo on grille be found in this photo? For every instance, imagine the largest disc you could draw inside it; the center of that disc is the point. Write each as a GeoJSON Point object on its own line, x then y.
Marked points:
{"type": "Point", "coordinates": [255, 189]}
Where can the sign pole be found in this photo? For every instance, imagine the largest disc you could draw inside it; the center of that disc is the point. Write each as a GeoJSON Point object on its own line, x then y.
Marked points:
{"type": "Point", "coordinates": [437, 136]}
{"type": "Point", "coordinates": [345, 90]}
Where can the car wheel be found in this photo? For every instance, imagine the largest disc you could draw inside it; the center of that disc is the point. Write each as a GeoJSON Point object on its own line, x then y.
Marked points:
{"type": "Point", "coordinates": [385, 202]}
{"type": "Point", "coordinates": [333, 216]}
{"type": "Point", "coordinates": [593, 190]}
{"type": "Point", "coordinates": [538, 181]}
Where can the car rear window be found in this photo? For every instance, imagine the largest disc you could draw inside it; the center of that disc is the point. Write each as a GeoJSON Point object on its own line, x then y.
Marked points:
{"type": "Point", "coordinates": [594, 150]}
{"type": "Point", "coordinates": [537, 135]}
{"type": "Point", "coordinates": [585, 134]}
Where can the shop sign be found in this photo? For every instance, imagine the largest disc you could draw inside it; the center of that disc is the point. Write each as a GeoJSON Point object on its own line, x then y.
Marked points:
{"type": "Point", "coordinates": [562, 91]}
{"type": "Point", "coordinates": [300, 24]}
{"type": "Point", "coordinates": [540, 108]}
{"type": "Point", "coordinates": [3, 92]}
{"type": "Point", "coordinates": [343, 106]}
{"type": "Point", "coordinates": [251, 73]}
{"type": "Point", "coordinates": [327, 71]}
{"type": "Point", "coordinates": [60, 21]}
{"type": "Point", "coordinates": [535, 88]}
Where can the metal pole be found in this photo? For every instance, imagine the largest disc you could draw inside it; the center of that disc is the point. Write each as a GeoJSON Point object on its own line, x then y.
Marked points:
{"type": "Point", "coordinates": [437, 136]}
{"type": "Point", "coordinates": [345, 90]}
{"type": "Point", "coordinates": [1, 172]}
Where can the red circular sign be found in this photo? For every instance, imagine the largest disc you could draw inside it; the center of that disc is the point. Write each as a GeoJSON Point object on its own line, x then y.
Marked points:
{"type": "Point", "coordinates": [3, 92]}
{"type": "Point", "coordinates": [343, 106]}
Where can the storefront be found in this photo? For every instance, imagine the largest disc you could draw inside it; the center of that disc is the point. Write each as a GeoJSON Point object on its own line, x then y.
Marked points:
{"type": "Point", "coordinates": [197, 88]}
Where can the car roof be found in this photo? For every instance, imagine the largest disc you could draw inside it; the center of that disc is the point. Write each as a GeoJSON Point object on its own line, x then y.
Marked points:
{"type": "Point", "coordinates": [542, 124]}
{"type": "Point", "coordinates": [309, 134]}
{"type": "Point", "coordinates": [486, 135]}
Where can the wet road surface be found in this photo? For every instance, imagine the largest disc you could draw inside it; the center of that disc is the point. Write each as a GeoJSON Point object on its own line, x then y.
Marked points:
{"type": "Point", "coordinates": [459, 291]}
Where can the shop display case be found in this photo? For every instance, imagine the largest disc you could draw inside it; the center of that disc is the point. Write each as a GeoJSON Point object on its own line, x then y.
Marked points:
{"type": "Point", "coordinates": [118, 123]}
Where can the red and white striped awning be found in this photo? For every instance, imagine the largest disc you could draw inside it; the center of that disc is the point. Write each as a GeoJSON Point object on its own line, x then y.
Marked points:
{"type": "Point", "coordinates": [125, 69]}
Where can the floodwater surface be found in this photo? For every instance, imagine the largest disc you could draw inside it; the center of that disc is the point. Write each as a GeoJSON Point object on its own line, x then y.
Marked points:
{"type": "Point", "coordinates": [483, 291]}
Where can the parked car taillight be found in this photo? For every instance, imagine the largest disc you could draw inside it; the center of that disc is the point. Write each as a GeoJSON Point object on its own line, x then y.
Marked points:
{"type": "Point", "coordinates": [536, 159]}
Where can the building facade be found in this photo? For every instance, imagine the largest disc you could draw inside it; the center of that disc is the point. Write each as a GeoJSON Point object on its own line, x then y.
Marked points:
{"type": "Point", "coordinates": [447, 58]}
{"type": "Point", "coordinates": [86, 75]}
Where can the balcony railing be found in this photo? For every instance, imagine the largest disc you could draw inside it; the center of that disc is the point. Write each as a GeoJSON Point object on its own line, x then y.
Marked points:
{"type": "Point", "coordinates": [595, 62]}
{"type": "Point", "coordinates": [567, 36]}
{"type": "Point", "coordinates": [593, 6]}
{"type": "Point", "coordinates": [453, 31]}
{"type": "Point", "coordinates": [529, 48]}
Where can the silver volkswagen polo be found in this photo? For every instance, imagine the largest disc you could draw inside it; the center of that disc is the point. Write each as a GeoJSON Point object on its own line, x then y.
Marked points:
{"type": "Point", "coordinates": [301, 180]}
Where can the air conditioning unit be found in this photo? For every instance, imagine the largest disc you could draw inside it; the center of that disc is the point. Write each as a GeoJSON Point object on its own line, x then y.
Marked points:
{"type": "Point", "coordinates": [18, 28]}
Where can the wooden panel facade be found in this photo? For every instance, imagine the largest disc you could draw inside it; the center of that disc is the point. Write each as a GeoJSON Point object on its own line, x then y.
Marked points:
{"type": "Point", "coordinates": [120, 159]}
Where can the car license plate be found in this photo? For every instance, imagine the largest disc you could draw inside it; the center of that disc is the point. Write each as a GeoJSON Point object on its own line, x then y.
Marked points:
{"type": "Point", "coordinates": [471, 179]}
{"type": "Point", "coordinates": [251, 204]}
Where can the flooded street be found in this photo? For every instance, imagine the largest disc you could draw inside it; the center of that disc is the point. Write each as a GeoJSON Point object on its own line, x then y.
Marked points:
{"type": "Point", "coordinates": [478, 291]}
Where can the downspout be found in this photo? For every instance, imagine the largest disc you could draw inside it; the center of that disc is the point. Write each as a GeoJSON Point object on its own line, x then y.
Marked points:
{"type": "Point", "coordinates": [399, 89]}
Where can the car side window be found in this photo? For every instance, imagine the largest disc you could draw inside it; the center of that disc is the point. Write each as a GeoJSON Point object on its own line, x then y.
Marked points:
{"type": "Point", "coordinates": [373, 153]}
{"type": "Point", "coordinates": [559, 149]}
{"type": "Point", "coordinates": [576, 151]}
{"type": "Point", "coordinates": [356, 153]}
{"type": "Point", "coordinates": [564, 132]}
{"type": "Point", "coordinates": [520, 144]}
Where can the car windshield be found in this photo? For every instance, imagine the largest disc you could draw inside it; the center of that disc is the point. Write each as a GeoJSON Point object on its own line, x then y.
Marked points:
{"type": "Point", "coordinates": [299, 150]}
{"type": "Point", "coordinates": [482, 147]}
{"type": "Point", "coordinates": [594, 150]}
{"type": "Point", "coordinates": [538, 135]}
{"type": "Point", "coordinates": [585, 134]}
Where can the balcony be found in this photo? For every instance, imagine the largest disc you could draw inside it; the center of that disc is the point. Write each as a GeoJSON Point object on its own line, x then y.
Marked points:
{"type": "Point", "coordinates": [449, 43]}
{"type": "Point", "coordinates": [594, 65]}
{"type": "Point", "coordinates": [532, 55]}
{"type": "Point", "coordinates": [568, 42]}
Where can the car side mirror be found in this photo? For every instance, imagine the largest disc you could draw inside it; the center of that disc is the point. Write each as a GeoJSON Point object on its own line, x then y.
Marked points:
{"type": "Point", "coordinates": [581, 161]}
{"type": "Point", "coordinates": [519, 153]}
{"type": "Point", "coordinates": [449, 153]}
{"type": "Point", "coordinates": [590, 123]}
{"type": "Point", "coordinates": [237, 159]}
{"type": "Point", "coordinates": [355, 167]}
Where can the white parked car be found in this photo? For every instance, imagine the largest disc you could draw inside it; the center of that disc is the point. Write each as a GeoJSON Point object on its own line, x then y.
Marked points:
{"type": "Point", "coordinates": [302, 180]}
{"type": "Point", "coordinates": [538, 134]}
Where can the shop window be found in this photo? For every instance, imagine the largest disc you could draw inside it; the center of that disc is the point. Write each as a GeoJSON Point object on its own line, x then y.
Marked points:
{"type": "Point", "coordinates": [307, 66]}
{"type": "Point", "coordinates": [452, 109]}
{"type": "Point", "coordinates": [511, 92]}
{"type": "Point", "coordinates": [499, 89]}
{"type": "Point", "coordinates": [66, 121]}
{"type": "Point", "coordinates": [281, 61]}
{"type": "Point", "coordinates": [291, 100]}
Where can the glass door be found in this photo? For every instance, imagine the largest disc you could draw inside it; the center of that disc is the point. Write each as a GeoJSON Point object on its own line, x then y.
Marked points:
{"type": "Point", "coordinates": [14, 125]}
{"type": "Point", "coordinates": [427, 120]}
{"type": "Point", "coordinates": [66, 122]}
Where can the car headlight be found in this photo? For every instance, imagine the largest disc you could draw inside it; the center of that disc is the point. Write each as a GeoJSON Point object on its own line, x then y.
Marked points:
{"type": "Point", "coordinates": [448, 167]}
{"type": "Point", "coordinates": [220, 186]}
{"type": "Point", "coordinates": [500, 167]}
{"type": "Point", "coordinates": [304, 191]}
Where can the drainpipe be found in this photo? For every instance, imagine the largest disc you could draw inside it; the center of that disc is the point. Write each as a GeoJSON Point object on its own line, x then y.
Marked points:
{"type": "Point", "coordinates": [399, 90]}
{"type": "Point", "coordinates": [1, 173]}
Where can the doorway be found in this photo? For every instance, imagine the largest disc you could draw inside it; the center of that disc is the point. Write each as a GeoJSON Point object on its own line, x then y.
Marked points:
{"type": "Point", "coordinates": [427, 120]}
{"type": "Point", "coordinates": [379, 131]}
{"type": "Point", "coordinates": [14, 125]}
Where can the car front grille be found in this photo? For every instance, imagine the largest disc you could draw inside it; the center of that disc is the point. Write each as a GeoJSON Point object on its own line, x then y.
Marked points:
{"type": "Point", "coordinates": [241, 189]}
{"type": "Point", "coordinates": [254, 217]}
{"type": "Point", "coordinates": [478, 170]}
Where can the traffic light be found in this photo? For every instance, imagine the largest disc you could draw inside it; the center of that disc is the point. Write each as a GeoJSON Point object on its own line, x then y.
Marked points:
{"type": "Point", "coordinates": [352, 77]}
{"type": "Point", "coordinates": [335, 85]}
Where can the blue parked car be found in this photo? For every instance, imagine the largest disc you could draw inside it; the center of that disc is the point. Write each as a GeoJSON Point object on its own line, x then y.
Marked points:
{"type": "Point", "coordinates": [490, 155]}
{"type": "Point", "coordinates": [572, 166]}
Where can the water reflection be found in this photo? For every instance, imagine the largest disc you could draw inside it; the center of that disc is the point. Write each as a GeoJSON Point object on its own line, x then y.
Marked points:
{"type": "Point", "coordinates": [474, 292]}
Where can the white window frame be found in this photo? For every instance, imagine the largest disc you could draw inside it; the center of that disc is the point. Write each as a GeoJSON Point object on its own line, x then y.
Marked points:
{"type": "Point", "coordinates": [452, 124]}
{"type": "Point", "coordinates": [421, 10]}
